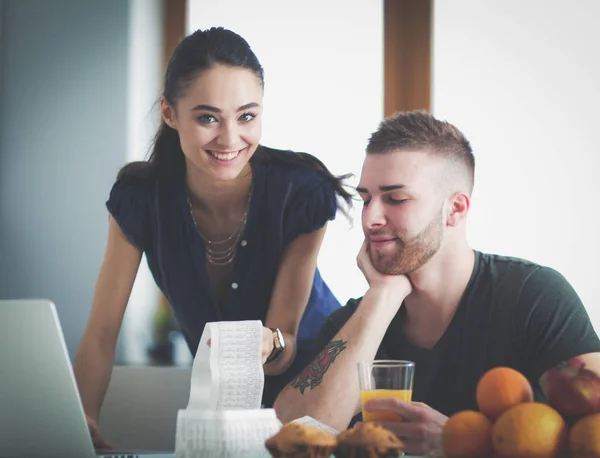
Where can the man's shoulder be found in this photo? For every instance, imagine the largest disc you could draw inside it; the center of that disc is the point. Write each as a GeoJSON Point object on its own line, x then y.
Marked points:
{"type": "Point", "coordinates": [505, 280]}
{"type": "Point", "coordinates": [505, 263]}
{"type": "Point", "coordinates": [518, 271]}
{"type": "Point", "coordinates": [504, 271]}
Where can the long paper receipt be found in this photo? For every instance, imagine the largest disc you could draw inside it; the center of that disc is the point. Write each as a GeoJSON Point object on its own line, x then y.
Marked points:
{"type": "Point", "coordinates": [228, 374]}
{"type": "Point", "coordinates": [223, 418]}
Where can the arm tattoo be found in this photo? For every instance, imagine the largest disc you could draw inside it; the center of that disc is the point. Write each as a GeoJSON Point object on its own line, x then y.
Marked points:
{"type": "Point", "coordinates": [312, 376]}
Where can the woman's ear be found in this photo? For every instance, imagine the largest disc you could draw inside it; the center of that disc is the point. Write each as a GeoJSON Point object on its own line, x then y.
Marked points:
{"type": "Point", "coordinates": [167, 112]}
{"type": "Point", "coordinates": [458, 209]}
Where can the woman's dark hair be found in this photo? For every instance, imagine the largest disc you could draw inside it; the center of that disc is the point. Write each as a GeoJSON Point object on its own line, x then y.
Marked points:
{"type": "Point", "coordinates": [194, 55]}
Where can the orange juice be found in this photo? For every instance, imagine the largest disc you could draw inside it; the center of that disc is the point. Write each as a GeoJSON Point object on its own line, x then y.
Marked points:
{"type": "Point", "coordinates": [383, 415]}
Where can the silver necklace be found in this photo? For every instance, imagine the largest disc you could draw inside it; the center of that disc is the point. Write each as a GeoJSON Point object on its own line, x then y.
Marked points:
{"type": "Point", "coordinates": [216, 254]}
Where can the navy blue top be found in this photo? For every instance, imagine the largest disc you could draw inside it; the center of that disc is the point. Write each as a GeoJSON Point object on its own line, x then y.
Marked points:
{"type": "Point", "coordinates": [286, 201]}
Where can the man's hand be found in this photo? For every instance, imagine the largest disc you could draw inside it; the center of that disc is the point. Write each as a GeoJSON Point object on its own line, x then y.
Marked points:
{"type": "Point", "coordinates": [420, 428]}
{"type": "Point", "coordinates": [375, 279]}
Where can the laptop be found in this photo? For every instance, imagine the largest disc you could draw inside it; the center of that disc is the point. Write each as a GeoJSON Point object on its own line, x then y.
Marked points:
{"type": "Point", "coordinates": [41, 414]}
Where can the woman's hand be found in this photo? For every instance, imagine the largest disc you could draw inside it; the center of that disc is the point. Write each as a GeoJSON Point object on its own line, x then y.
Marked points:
{"type": "Point", "coordinates": [97, 438]}
{"type": "Point", "coordinates": [267, 343]}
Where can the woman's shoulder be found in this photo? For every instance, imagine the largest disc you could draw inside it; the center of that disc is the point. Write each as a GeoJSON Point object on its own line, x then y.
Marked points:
{"type": "Point", "coordinates": [129, 202]}
{"type": "Point", "coordinates": [136, 173]}
{"type": "Point", "coordinates": [285, 167]}
{"type": "Point", "coordinates": [300, 195]}
{"type": "Point", "coordinates": [133, 187]}
{"type": "Point", "coordinates": [134, 179]}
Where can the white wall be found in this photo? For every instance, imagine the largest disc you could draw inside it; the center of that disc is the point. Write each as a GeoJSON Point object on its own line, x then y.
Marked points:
{"type": "Point", "coordinates": [522, 80]}
{"type": "Point", "coordinates": [144, 84]}
{"type": "Point", "coordinates": [323, 64]}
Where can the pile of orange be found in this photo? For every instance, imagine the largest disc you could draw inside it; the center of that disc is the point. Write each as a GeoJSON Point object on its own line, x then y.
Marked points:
{"type": "Point", "coordinates": [509, 424]}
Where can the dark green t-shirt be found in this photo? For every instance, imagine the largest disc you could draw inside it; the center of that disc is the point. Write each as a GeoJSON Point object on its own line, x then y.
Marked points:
{"type": "Point", "coordinates": [513, 313]}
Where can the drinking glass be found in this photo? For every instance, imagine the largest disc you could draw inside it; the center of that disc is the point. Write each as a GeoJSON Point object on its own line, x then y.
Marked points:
{"type": "Point", "coordinates": [384, 379]}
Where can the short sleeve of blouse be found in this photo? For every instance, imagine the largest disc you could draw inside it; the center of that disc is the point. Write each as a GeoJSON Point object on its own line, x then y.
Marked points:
{"type": "Point", "coordinates": [309, 205]}
{"type": "Point", "coordinates": [129, 204]}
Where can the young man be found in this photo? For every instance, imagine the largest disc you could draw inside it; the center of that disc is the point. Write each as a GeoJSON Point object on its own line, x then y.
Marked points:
{"type": "Point", "coordinates": [432, 299]}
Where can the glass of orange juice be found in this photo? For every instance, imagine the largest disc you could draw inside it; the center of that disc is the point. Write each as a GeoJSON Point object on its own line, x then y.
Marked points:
{"type": "Point", "coordinates": [385, 379]}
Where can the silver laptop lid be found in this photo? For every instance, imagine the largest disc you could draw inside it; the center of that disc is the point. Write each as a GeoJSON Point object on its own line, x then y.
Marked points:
{"type": "Point", "coordinates": [40, 410]}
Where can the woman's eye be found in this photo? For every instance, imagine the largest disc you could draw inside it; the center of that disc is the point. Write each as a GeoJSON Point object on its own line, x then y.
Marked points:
{"type": "Point", "coordinates": [247, 117]}
{"type": "Point", "coordinates": [366, 202]}
{"type": "Point", "coordinates": [395, 201]}
{"type": "Point", "coordinates": [207, 119]}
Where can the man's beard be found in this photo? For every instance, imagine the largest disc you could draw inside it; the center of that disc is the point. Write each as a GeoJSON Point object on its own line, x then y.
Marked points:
{"type": "Point", "coordinates": [408, 255]}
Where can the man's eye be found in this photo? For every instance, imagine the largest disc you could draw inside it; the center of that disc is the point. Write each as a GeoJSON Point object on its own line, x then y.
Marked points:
{"type": "Point", "coordinates": [366, 202]}
{"type": "Point", "coordinates": [207, 119]}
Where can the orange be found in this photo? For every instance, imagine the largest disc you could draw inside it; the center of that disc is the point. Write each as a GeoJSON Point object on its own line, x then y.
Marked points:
{"type": "Point", "coordinates": [584, 438]}
{"type": "Point", "coordinates": [530, 430]}
{"type": "Point", "coordinates": [501, 388]}
{"type": "Point", "coordinates": [467, 434]}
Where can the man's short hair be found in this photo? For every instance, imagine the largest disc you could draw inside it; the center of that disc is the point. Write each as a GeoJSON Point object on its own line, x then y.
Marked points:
{"type": "Point", "coordinates": [420, 131]}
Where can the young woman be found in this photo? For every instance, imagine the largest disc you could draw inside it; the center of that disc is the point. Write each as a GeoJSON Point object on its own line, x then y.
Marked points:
{"type": "Point", "coordinates": [231, 229]}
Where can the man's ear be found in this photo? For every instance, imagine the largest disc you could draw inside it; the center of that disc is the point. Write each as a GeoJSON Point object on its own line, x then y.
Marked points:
{"type": "Point", "coordinates": [167, 112]}
{"type": "Point", "coordinates": [458, 208]}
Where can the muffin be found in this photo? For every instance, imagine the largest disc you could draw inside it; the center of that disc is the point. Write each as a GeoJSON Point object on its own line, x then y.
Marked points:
{"type": "Point", "coordinates": [297, 440]}
{"type": "Point", "coordinates": [368, 440]}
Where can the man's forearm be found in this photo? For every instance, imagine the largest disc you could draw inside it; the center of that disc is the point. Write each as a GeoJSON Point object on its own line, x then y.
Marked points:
{"type": "Point", "coordinates": [327, 389]}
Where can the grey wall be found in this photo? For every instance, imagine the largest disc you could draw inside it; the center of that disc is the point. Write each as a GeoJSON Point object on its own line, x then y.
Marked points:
{"type": "Point", "coordinates": [1, 87]}
{"type": "Point", "coordinates": [64, 67]}
{"type": "Point", "coordinates": [1, 47]}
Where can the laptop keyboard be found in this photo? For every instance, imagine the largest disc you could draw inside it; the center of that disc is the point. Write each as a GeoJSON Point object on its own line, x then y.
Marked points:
{"type": "Point", "coordinates": [119, 455]}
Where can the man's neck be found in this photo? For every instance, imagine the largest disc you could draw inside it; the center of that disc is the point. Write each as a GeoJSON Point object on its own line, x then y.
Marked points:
{"type": "Point", "coordinates": [437, 291]}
